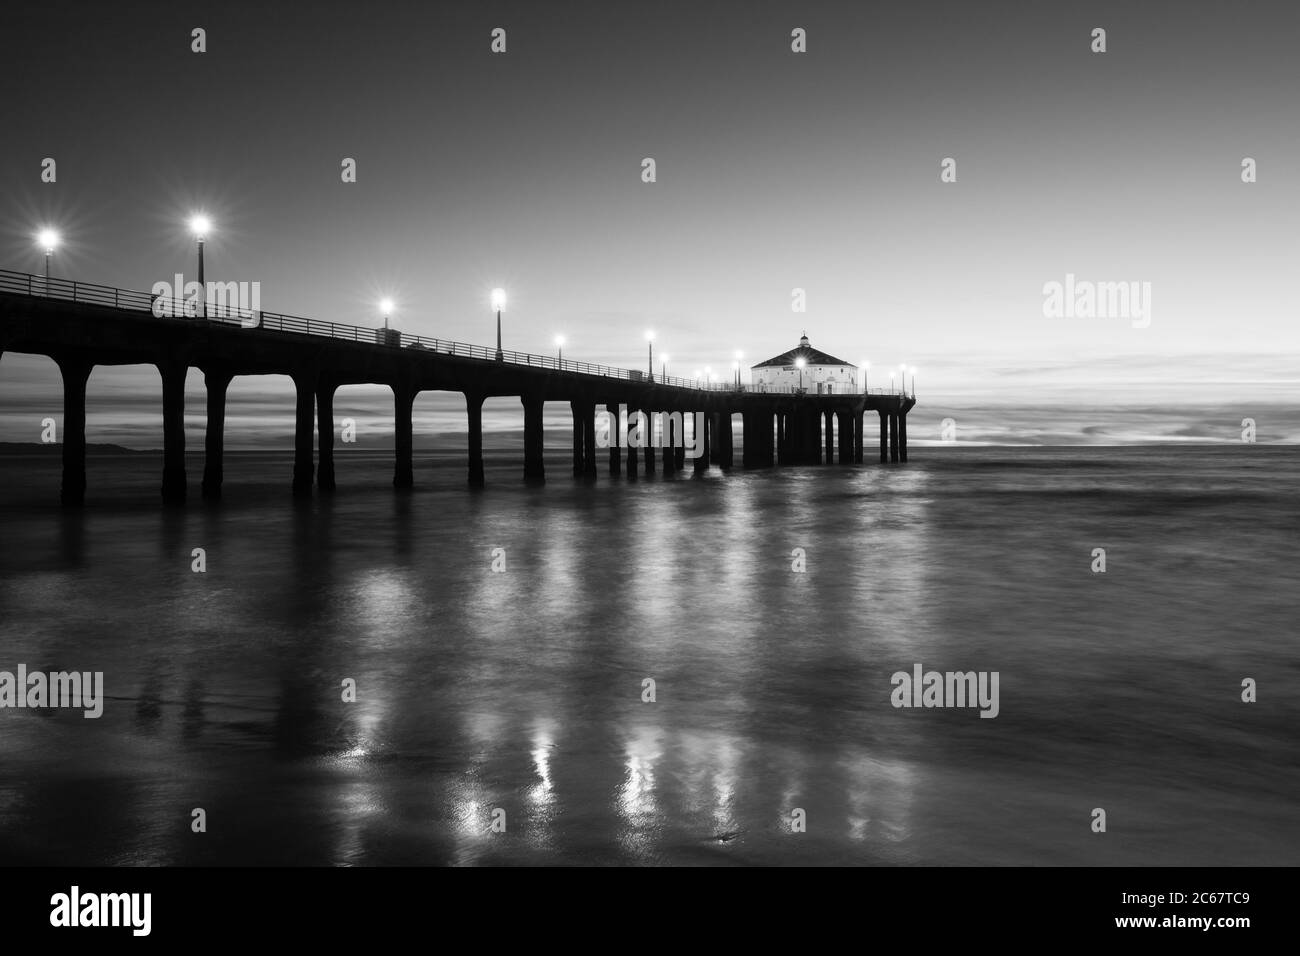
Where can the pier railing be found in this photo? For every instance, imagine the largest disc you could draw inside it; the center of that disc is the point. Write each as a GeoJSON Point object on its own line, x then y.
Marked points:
{"type": "Point", "coordinates": [189, 309]}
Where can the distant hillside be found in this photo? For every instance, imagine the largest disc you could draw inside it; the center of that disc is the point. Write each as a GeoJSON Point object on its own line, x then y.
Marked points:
{"type": "Point", "coordinates": [45, 448]}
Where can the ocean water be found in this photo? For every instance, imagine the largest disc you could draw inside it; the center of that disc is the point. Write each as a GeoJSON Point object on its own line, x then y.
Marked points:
{"type": "Point", "coordinates": [522, 690]}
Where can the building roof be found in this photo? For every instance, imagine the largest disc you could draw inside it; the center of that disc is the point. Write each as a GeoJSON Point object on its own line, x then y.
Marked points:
{"type": "Point", "coordinates": [810, 355]}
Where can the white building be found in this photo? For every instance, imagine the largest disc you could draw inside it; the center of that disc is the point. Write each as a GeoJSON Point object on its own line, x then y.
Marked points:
{"type": "Point", "coordinates": [817, 374]}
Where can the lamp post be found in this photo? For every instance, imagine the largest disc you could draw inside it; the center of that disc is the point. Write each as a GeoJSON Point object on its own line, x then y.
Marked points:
{"type": "Point", "coordinates": [650, 346]}
{"type": "Point", "coordinates": [559, 350]}
{"type": "Point", "coordinates": [902, 377]}
{"type": "Point", "coordinates": [799, 363]}
{"type": "Point", "coordinates": [498, 303]}
{"type": "Point", "coordinates": [200, 225]}
{"type": "Point", "coordinates": [384, 336]}
{"type": "Point", "coordinates": [913, 371]}
{"type": "Point", "coordinates": [865, 367]}
{"type": "Point", "coordinates": [663, 368]}
{"type": "Point", "coordinates": [49, 239]}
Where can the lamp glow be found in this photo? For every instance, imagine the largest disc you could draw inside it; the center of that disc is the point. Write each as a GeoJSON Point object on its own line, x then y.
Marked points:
{"type": "Point", "coordinates": [498, 303]}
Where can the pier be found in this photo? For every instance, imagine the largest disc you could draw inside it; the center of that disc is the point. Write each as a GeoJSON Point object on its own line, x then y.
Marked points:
{"type": "Point", "coordinates": [80, 326]}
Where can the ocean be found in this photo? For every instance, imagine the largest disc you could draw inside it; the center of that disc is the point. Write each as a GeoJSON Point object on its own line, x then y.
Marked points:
{"type": "Point", "coordinates": [500, 643]}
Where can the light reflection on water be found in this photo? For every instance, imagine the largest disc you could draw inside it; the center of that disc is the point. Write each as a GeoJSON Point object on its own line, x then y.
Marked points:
{"type": "Point", "coordinates": [522, 690]}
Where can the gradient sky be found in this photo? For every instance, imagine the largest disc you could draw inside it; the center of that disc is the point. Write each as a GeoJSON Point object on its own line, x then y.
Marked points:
{"type": "Point", "coordinates": [775, 171]}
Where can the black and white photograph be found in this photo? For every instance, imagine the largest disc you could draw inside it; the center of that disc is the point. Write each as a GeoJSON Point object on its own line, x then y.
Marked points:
{"type": "Point", "coordinates": [607, 435]}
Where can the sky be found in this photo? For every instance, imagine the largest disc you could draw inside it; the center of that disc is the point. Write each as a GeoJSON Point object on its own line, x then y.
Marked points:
{"type": "Point", "coordinates": [775, 171]}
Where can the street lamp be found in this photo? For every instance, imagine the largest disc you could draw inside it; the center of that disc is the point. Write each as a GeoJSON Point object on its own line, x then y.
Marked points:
{"type": "Point", "coordinates": [386, 307]}
{"type": "Point", "coordinates": [736, 365]}
{"type": "Point", "coordinates": [200, 225]}
{"type": "Point", "coordinates": [498, 303]}
{"type": "Point", "coordinates": [663, 368]}
{"type": "Point", "coordinates": [559, 350]}
{"type": "Point", "coordinates": [799, 363]}
{"type": "Point", "coordinates": [865, 366]}
{"type": "Point", "coordinates": [913, 371]}
{"type": "Point", "coordinates": [902, 376]}
{"type": "Point", "coordinates": [650, 346]}
{"type": "Point", "coordinates": [49, 239]}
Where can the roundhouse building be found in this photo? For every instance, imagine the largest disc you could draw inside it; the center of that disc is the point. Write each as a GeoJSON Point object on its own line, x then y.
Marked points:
{"type": "Point", "coordinates": [820, 374]}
